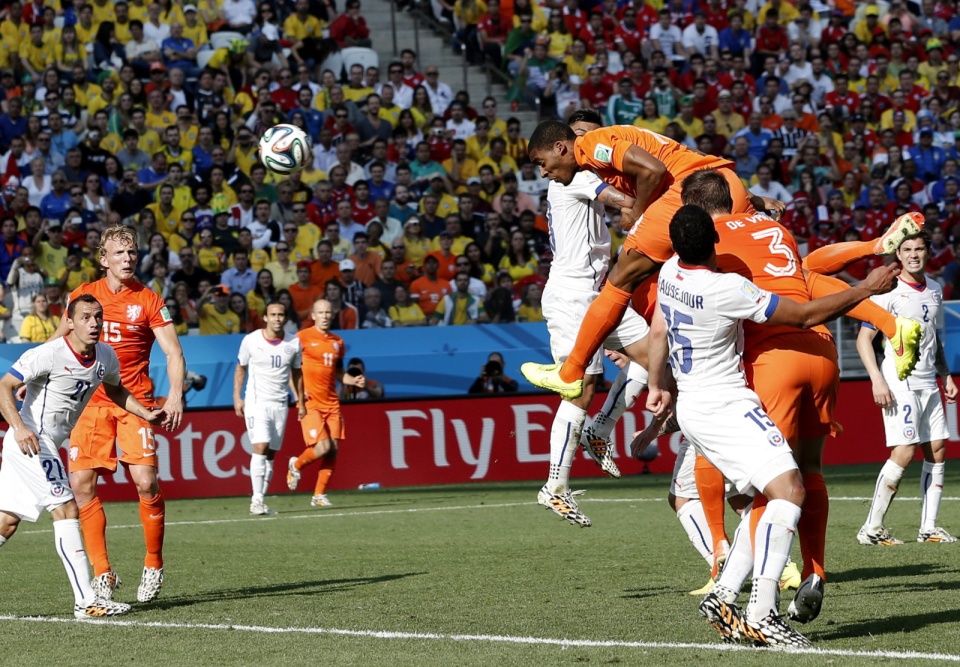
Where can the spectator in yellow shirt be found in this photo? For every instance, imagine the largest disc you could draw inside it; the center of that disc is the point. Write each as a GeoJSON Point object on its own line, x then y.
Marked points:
{"type": "Point", "coordinates": [307, 31]}
{"type": "Point", "coordinates": [215, 316]}
{"type": "Point", "coordinates": [167, 215]}
{"type": "Point", "coordinates": [460, 166]}
{"type": "Point", "coordinates": [39, 325]}
{"type": "Point", "coordinates": [193, 28]}
{"type": "Point", "coordinates": [158, 117]}
{"type": "Point", "coordinates": [35, 56]}
{"type": "Point", "coordinates": [498, 158]}
{"type": "Point", "coordinates": [357, 91]}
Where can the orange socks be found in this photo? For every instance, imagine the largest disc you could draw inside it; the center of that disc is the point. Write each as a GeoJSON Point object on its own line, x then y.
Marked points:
{"type": "Point", "coordinates": [306, 458]}
{"type": "Point", "coordinates": [93, 525]}
{"type": "Point", "coordinates": [812, 527]}
{"type": "Point", "coordinates": [710, 486]}
{"type": "Point", "coordinates": [326, 472]}
{"type": "Point", "coordinates": [601, 319]}
{"type": "Point", "coordinates": [152, 517]}
{"type": "Point", "coordinates": [832, 258]}
{"type": "Point", "coordinates": [865, 311]}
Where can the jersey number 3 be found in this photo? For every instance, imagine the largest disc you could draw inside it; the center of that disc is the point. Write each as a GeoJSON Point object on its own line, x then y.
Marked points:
{"type": "Point", "coordinates": [778, 247]}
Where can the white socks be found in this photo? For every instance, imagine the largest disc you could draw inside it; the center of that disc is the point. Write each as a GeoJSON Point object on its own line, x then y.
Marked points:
{"type": "Point", "coordinates": [258, 471]}
{"type": "Point", "coordinates": [774, 538]}
{"type": "Point", "coordinates": [739, 563]}
{"type": "Point", "coordinates": [623, 393]}
{"type": "Point", "coordinates": [931, 489]}
{"type": "Point", "coordinates": [3, 541]}
{"type": "Point", "coordinates": [888, 482]}
{"type": "Point", "coordinates": [267, 475]}
{"type": "Point", "coordinates": [564, 441]}
{"type": "Point", "coordinates": [66, 534]}
{"type": "Point", "coordinates": [694, 521]}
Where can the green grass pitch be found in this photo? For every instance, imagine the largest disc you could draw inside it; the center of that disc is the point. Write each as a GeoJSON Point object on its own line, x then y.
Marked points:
{"type": "Point", "coordinates": [470, 575]}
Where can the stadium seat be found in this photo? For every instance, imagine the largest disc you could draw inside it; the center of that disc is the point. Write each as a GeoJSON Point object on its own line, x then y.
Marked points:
{"type": "Point", "coordinates": [358, 55]}
{"type": "Point", "coordinates": [334, 63]}
{"type": "Point", "coordinates": [203, 57]}
{"type": "Point", "coordinates": [221, 40]}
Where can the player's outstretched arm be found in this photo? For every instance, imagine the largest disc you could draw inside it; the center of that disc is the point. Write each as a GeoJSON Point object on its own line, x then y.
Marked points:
{"type": "Point", "coordinates": [176, 370]}
{"type": "Point", "coordinates": [27, 440]}
{"type": "Point", "coordinates": [658, 396]}
{"type": "Point", "coordinates": [239, 377]}
{"type": "Point", "coordinates": [818, 311]}
{"type": "Point", "coordinates": [881, 391]}
{"type": "Point", "coordinates": [648, 172]}
{"type": "Point", "coordinates": [612, 197]}
{"type": "Point", "coordinates": [122, 397]}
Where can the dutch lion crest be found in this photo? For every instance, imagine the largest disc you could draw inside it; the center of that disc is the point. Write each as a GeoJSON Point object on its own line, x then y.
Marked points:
{"type": "Point", "coordinates": [133, 312]}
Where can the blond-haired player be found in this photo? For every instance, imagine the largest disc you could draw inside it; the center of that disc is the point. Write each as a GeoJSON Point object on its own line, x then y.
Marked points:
{"type": "Point", "coordinates": [59, 379]}
{"type": "Point", "coordinates": [133, 317]}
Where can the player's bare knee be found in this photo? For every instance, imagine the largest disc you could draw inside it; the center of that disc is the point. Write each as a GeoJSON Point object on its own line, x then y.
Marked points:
{"type": "Point", "coordinates": [261, 448]}
{"type": "Point", "coordinates": [84, 485]}
{"type": "Point", "coordinates": [8, 524]}
{"type": "Point", "coordinates": [676, 503]}
{"type": "Point", "coordinates": [934, 452]}
{"type": "Point", "coordinates": [65, 512]}
{"type": "Point", "coordinates": [902, 455]}
{"type": "Point", "coordinates": [788, 486]}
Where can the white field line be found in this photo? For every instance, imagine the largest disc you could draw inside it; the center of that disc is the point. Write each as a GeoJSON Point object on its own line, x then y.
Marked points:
{"type": "Point", "coordinates": [502, 639]}
{"type": "Point", "coordinates": [320, 514]}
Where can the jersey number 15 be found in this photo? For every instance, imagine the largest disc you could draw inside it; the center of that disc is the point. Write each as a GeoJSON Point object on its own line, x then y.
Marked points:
{"type": "Point", "coordinates": [682, 359]}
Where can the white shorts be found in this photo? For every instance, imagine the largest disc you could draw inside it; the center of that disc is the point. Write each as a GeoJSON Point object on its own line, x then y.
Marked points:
{"type": "Point", "coordinates": [736, 435]}
{"type": "Point", "coordinates": [29, 485]}
{"type": "Point", "coordinates": [564, 309]}
{"type": "Point", "coordinates": [266, 423]}
{"type": "Point", "coordinates": [916, 417]}
{"type": "Point", "coordinates": [684, 482]}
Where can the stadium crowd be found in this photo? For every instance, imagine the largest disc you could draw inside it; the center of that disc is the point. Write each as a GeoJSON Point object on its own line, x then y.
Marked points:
{"type": "Point", "coordinates": [419, 208]}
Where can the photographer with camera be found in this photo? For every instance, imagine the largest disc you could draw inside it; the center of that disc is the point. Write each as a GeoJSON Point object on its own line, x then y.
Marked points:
{"type": "Point", "coordinates": [371, 389]}
{"type": "Point", "coordinates": [492, 379]}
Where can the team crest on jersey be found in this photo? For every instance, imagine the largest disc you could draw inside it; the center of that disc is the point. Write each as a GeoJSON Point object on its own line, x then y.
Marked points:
{"type": "Point", "coordinates": [909, 433]}
{"type": "Point", "coordinates": [133, 312]}
{"type": "Point", "coordinates": [74, 453]}
{"type": "Point", "coordinates": [56, 489]}
{"type": "Point", "coordinates": [101, 371]}
{"type": "Point", "coordinates": [602, 153]}
{"type": "Point", "coordinates": [775, 438]}
{"type": "Point", "coordinates": [336, 347]}
{"type": "Point", "coordinates": [287, 349]}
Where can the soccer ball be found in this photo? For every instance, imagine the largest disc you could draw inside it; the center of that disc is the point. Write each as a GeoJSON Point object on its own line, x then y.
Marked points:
{"type": "Point", "coordinates": [285, 149]}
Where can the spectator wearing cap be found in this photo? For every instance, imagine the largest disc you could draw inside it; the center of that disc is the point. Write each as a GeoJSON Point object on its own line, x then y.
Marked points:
{"type": "Point", "coordinates": [928, 157]}
{"type": "Point", "coordinates": [304, 292]}
{"type": "Point", "coordinates": [216, 318]}
{"type": "Point", "coordinates": [729, 122]}
{"type": "Point", "coordinates": [429, 289]}
{"type": "Point", "coordinates": [352, 289]}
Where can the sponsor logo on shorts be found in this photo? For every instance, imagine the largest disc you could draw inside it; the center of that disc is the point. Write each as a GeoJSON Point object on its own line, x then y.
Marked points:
{"type": "Point", "coordinates": [775, 438]}
{"type": "Point", "coordinates": [909, 433]}
{"type": "Point", "coordinates": [133, 312]}
{"type": "Point", "coordinates": [74, 453]}
{"type": "Point", "coordinates": [57, 490]}
{"type": "Point", "coordinates": [602, 153]}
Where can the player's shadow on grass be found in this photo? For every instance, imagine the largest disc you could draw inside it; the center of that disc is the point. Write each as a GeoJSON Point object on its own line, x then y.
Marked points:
{"type": "Point", "coordinates": [643, 593]}
{"type": "Point", "coordinates": [891, 571]}
{"type": "Point", "coordinates": [320, 587]}
{"type": "Point", "coordinates": [893, 624]}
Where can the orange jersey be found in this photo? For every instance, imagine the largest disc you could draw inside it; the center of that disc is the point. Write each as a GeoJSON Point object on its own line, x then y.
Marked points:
{"type": "Point", "coordinates": [129, 318]}
{"type": "Point", "coordinates": [322, 359]}
{"type": "Point", "coordinates": [602, 151]}
{"type": "Point", "coordinates": [760, 249]}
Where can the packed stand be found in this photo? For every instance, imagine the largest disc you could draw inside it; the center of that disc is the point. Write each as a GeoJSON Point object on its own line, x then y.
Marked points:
{"type": "Point", "coordinates": [149, 114]}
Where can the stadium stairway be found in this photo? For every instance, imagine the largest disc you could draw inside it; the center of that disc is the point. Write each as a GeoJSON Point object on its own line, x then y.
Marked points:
{"type": "Point", "coordinates": [436, 49]}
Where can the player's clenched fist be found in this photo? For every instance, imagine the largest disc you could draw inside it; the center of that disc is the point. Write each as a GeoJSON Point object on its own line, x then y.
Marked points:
{"type": "Point", "coordinates": [881, 280]}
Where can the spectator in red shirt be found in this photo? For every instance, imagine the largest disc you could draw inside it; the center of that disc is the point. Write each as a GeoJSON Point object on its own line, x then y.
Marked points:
{"type": "Point", "coordinates": [836, 29]}
{"type": "Point", "coordinates": [703, 104]}
{"type": "Point", "coordinates": [594, 29]}
{"type": "Point", "coordinates": [824, 232]}
{"type": "Point", "coordinates": [914, 95]}
{"type": "Point", "coordinates": [843, 100]}
{"type": "Point", "coordinates": [350, 29]}
{"type": "Point", "coordinates": [362, 206]}
{"type": "Point", "coordinates": [628, 34]}
{"type": "Point", "coordinates": [285, 96]}
{"type": "Point", "coordinates": [493, 33]}
{"type": "Point", "coordinates": [595, 92]}
{"type": "Point", "coordinates": [574, 17]}
{"type": "Point", "coordinates": [716, 13]}
{"type": "Point", "coordinates": [322, 208]}
{"type": "Point", "coordinates": [771, 40]}
{"type": "Point", "coordinates": [646, 14]}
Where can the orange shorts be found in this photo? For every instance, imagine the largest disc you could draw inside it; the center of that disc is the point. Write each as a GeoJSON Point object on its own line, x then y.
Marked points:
{"type": "Point", "coordinates": [797, 379]}
{"type": "Point", "coordinates": [103, 431]}
{"type": "Point", "coordinates": [320, 425]}
{"type": "Point", "coordinates": [651, 235]}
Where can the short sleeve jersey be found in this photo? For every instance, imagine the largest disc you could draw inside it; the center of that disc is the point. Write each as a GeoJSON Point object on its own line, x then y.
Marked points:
{"type": "Point", "coordinates": [129, 318]}
{"type": "Point", "coordinates": [923, 303]}
{"type": "Point", "coordinates": [269, 362]}
{"type": "Point", "coordinates": [602, 151]}
{"type": "Point", "coordinates": [761, 250]}
{"type": "Point", "coordinates": [704, 311]}
{"type": "Point", "coordinates": [60, 383]}
{"type": "Point", "coordinates": [576, 222]}
{"type": "Point", "coordinates": [322, 358]}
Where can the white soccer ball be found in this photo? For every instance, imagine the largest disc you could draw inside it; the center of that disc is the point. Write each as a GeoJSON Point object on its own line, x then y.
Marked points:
{"type": "Point", "coordinates": [285, 149]}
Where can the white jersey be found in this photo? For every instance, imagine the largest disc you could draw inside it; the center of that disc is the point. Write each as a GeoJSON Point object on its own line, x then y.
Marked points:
{"type": "Point", "coordinates": [576, 221]}
{"type": "Point", "coordinates": [923, 303]}
{"type": "Point", "coordinates": [704, 311]}
{"type": "Point", "coordinates": [60, 383]}
{"type": "Point", "coordinates": [269, 364]}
